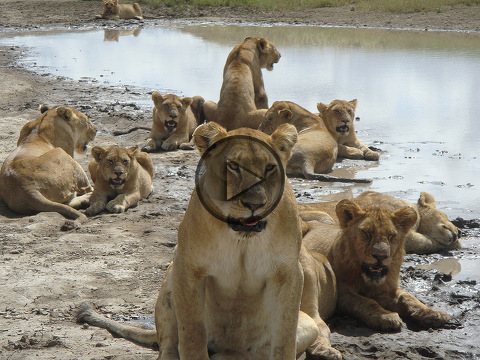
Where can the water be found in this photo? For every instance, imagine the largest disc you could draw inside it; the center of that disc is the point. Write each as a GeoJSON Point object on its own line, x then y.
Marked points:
{"type": "Point", "coordinates": [418, 92]}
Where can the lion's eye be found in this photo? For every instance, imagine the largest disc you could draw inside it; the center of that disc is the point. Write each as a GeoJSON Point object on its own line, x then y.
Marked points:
{"type": "Point", "coordinates": [336, 111]}
{"type": "Point", "coordinates": [165, 106]}
{"type": "Point", "coordinates": [269, 168]}
{"type": "Point", "coordinates": [367, 234]}
{"type": "Point", "coordinates": [350, 112]}
{"type": "Point", "coordinates": [110, 161]}
{"type": "Point", "coordinates": [232, 166]}
{"type": "Point", "coordinates": [390, 237]}
{"type": "Point", "coordinates": [125, 162]}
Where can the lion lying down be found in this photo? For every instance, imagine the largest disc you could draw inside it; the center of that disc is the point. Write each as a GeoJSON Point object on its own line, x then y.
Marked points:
{"type": "Point", "coordinates": [235, 287]}
{"type": "Point", "coordinates": [41, 174]}
{"type": "Point", "coordinates": [316, 149]}
{"type": "Point", "coordinates": [366, 258]}
{"type": "Point", "coordinates": [113, 10]}
{"type": "Point", "coordinates": [122, 177]}
{"type": "Point", "coordinates": [243, 99]}
{"type": "Point", "coordinates": [432, 232]}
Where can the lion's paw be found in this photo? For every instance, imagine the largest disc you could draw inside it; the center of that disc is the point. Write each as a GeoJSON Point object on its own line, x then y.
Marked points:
{"type": "Point", "coordinates": [321, 352]}
{"type": "Point", "coordinates": [371, 155]}
{"type": "Point", "coordinates": [114, 207]}
{"type": "Point", "coordinates": [386, 322]}
{"type": "Point", "coordinates": [432, 318]}
{"type": "Point", "coordinates": [169, 146]}
{"type": "Point", "coordinates": [187, 146]}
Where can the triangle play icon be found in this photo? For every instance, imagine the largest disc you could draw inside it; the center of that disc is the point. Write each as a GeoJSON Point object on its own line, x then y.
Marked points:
{"type": "Point", "coordinates": [249, 180]}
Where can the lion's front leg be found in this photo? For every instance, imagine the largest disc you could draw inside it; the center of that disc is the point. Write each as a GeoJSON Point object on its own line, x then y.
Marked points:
{"type": "Point", "coordinates": [409, 305]}
{"type": "Point", "coordinates": [349, 152]}
{"type": "Point", "coordinates": [367, 310]}
{"type": "Point", "coordinates": [122, 202]}
{"type": "Point", "coordinates": [174, 141]}
{"type": "Point", "coordinates": [98, 202]}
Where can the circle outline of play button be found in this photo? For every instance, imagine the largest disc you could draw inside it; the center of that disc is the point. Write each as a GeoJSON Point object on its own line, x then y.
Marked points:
{"type": "Point", "coordinates": [201, 166]}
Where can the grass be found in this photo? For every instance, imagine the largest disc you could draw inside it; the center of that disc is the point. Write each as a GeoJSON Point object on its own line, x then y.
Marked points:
{"type": "Point", "coordinates": [394, 6]}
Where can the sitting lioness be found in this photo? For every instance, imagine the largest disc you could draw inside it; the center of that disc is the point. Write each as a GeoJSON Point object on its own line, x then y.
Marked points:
{"type": "Point", "coordinates": [113, 10]}
{"type": "Point", "coordinates": [121, 176]}
{"type": "Point", "coordinates": [316, 149]}
{"type": "Point", "coordinates": [338, 117]}
{"type": "Point", "coordinates": [239, 276]}
{"type": "Point", "coordinates": [41, 174]}
{"type": "Point", "coordinates": [366, 258]}
{"type": "Point", "coordinates": [432, 232]}
{"type": "Point", "coordinates": [243, 99]}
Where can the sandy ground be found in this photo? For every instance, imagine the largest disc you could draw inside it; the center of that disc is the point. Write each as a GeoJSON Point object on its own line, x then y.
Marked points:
{"type": "Point", "coordinates": [117, 262]}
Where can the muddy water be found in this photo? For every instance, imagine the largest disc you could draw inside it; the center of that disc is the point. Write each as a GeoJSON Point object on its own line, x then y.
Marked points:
{"type": "Point", "coordinates": [418, 92]}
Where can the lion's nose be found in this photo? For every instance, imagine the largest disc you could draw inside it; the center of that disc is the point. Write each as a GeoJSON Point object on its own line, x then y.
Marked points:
{"type": "Point", "coordinates": [118, 173]}
{"type": "Point", "coordinates": [380, 251]}
{"type": "Point", "coordinates": [252, 206]}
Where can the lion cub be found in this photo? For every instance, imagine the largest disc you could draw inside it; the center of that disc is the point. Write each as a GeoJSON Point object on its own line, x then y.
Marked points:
{"type": "Point", "coordinates": [366, 258]}
{"type": "Point", "coordinates": [338, 116]}
{"type": "Point", "coordinates": [173, 122]}
{"type": "Point", "coordinates": [123, 176]}
{"type": "Point", "coordinates": [113, 10]}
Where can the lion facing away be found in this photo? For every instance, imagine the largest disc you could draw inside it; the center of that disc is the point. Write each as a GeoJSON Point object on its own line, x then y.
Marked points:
{"type": "Point", "coordinates": [315, 151]}
{"type": "Point", "coordinates": [121, 178]}
{"type": "Point", "coordinates": [113, 10]}
{"type": "Point", "coordinates": [338, 117]}
{"type": "Point", "coordinates": [432, 232]}
{"type": "Point", "coordinates": [366, 258]}
{"type": "Point", "coordinates": [41, 174]}
{"type": "Point", "coordinates": [239, 276]}
{"type": "Point", "coordinates": [243, 99]}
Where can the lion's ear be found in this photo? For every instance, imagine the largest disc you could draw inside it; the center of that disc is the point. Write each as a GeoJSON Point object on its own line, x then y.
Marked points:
{"type": "Point", "coordinates": [157, 99]}
{"type": "Point", "coordinates": [261, 43]}
{"type": "Point", "coordinates": [186, 102]}
{"type": "Point", "coordinates": [43, 108]}
{"type": "Point", "coordinates": [64, 112]}
{"type": "Point", "coordinates": [348, 211]}
{"type": "Point", "coordinates": [133, 151]}
{"type": "Point", "coordinates": [404, 218]}
{"type": "Point", "coordinates": [284, 138]}
{"type": "Point", "coordinates": [321, 107]}
{"type": "Point", "coordinates": [97, 153]}
{"type": "Point", "coordinates": [426, 199]}
{"type": "Point", "coordinates": [207, 134]}
{"type": "Point", "coordinates": [286, 113]}
{"type": "Point", "coordinates": [353, 103]}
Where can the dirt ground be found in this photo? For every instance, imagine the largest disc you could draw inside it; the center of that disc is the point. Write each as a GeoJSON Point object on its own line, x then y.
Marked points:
{"type": "Point", "coordinates": [117, 262]}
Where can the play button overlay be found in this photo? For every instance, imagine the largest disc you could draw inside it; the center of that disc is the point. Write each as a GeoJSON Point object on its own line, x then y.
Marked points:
{"type": "Point", "coordinates": [215, 171]}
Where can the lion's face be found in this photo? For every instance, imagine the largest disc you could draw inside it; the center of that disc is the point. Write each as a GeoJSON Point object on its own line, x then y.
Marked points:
{"type": "Point", "coordinates": [170, 108]}
{"type": "Point", "coordinates": [278, 114]}
{"type": "Point", "coordinates": [338, 116]}
{"type": "Point", "coordinates": [268, 53]}
{"type": "Point", "coordinates": [377, 236]}
{"type": "Point", "coordinates": [435, 223]}
{"type": "Point", "coordinates": [242, 176]}
{"type": "Point", "coordinates": [110, 7]}
{"type": "Point", "coordinates": [115, 164]}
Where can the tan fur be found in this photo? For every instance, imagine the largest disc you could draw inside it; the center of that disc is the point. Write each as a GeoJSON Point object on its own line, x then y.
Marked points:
{"type": "Point", "coordinates": [114, 34]}
{"type": "Point", "coordinates": [372, 239]}
{"type": "Point", "coordinates": [173, 122]}
{"type": "Point", "coordinates": [243, 99]}
{"type": "Point", "coordinates": [431, 233]}
{"type": "Point", "coordinates": [112, 10]}
{"type": "Point", "coordinates": [237, 293]}
{"type": "Point", "coordinates": [122, 177]}
{"type": "Point", "coordinates": [316, 149]}
{"type": "Point", "coordinates": [41, 174]}
{"type": "Point", "coordinates": [338, 117]}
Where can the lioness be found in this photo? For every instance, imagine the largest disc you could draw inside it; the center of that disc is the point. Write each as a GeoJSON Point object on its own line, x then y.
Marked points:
{"type": "Point", "coordinates": [316, 149]}
{"type": "Point", "coordinates": [243, 99]}
{"type": "Point", "coordinates": [235, 288]}
{"type": "Point", "coordinates": [338, 116]}
{"type": "Point", "coordinates": [41, 174]}
{"type": "Point", "coordinates": [432, 232]}
{"type": "Point", "coordinates": [113, 10]}
{"type": "Point", "coordinates": [366, 258]}
{"type": "Point", "coordinates": [123, 176]}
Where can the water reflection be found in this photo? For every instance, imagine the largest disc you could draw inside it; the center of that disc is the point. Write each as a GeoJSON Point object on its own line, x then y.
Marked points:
{"type": "Point", "coordinates": [114, 34]}
{"type": "Point", "coordinates": [418, 91]}
{"type": "Point", "coordinates": [459, 269]}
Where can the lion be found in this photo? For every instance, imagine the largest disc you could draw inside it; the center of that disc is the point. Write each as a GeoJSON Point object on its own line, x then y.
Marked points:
{"type": "Point", "coordinates": [243, 99]}
{"type": "Point", "coordinates": [366, 258]}
{"type": "Point", "coordinates": [316, 149]}
{"type": "Point", "coordinates": [174, 120]}
{"type": "Point", "coordinates": [121, 176]}
{"type": "Point", "coordinates": [114, 34]}
{"type": "Point", "coordinates": [431, 233]}
{"type": "Point", "coordinates": [338, 117]}
{"type": "Point", "coordinates": [41, 174]}
{"type": "Point", "coordinates": [112, 10]}
{"type": "Point", "coordinates": [239, 276]}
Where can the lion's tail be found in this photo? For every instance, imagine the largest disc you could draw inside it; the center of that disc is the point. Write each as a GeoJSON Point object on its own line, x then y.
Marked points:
{"type": "Point", "coordinates": [143, 337]}
{"type": "Point", "coordinates": [128, 131]}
